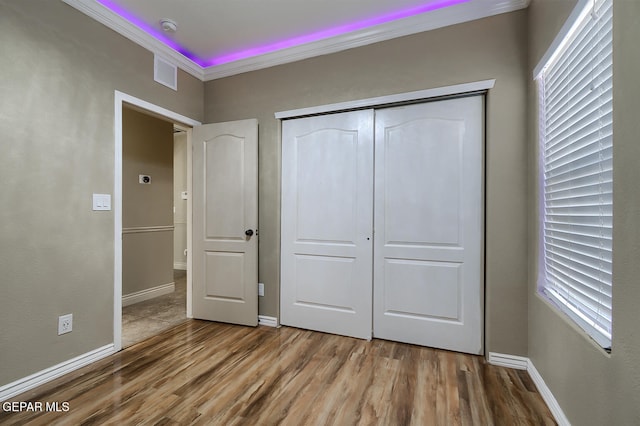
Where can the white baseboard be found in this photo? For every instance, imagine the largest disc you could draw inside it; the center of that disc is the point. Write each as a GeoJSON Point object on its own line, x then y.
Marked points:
{"type": "Point", "coordinates": [267, 321]}
{"type": "Point", "coordinates": [524, 363]}
{"type": "Point", "coordinates": [509, 361]}
{"type": "Point", "coordinates": [180, 265]}
{"type": "Point", "coordinates": [26, 383]}
{"type": "Point", "coordinates": [150, 293]}
{"type": "Point", "coordinates": [548, 397]}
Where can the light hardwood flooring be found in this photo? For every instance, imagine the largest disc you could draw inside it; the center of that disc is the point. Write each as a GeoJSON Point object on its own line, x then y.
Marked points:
{"type": "Point", "coordinates": [204, 373]}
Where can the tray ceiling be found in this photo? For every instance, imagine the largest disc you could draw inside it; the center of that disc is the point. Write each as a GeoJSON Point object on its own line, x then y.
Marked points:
{"type": "Point", "coordinates": [216, 38]}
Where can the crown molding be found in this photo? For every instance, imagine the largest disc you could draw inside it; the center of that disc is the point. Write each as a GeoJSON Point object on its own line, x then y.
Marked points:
{"type": "Point", "coordinates": [464, 12]}
{"type": "Point", "coordinates": [474, 9]}
{"type": "Point", "coordinates": [95, 10]}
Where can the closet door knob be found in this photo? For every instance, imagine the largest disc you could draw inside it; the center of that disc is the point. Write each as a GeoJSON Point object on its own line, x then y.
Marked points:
{"type": "Point", "coordinates": [248, 232]}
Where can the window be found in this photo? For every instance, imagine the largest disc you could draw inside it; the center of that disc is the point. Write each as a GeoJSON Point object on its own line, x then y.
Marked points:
{"type": "Point", "coordinates": [576, 176]}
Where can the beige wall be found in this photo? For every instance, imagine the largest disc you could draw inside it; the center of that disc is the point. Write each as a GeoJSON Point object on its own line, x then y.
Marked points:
{"type": "Point", "coordinates": [58, 73]}
{"type": "Point", "coordinates": [592, 387]}
{"type": "Point", "coordinates": [57, 80]}
{"type": "Point", "coordinates": [147, 149]}
{"type": "Point", "coordinates": [179, 185]}
{"type": "Point", "coordinates": [485, 49]}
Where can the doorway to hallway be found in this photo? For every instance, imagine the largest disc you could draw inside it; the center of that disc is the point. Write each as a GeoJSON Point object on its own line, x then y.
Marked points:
{"type": "Point", "coordinates": [122, 101]}
{"type": "Point", "coordinates": [154, 231]}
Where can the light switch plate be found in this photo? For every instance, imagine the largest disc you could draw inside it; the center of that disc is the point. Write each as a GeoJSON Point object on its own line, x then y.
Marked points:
{"type": "Point", "coordinates": [101, 202]}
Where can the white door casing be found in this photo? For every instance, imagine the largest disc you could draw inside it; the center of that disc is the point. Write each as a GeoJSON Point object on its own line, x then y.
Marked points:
{"type": "Point", "coordinates": [327, 223]}
{"type": "Point", "coordinates": [120, 99]}
{"type": "Point", "coordinates": [428, 262]}
{"type": "Point", "coordinates": [225, 206]}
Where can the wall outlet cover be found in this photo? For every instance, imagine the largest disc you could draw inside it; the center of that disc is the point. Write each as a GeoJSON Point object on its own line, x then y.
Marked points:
{"type": "Point", "coordinates": [144, 179]}
{"type": "Point", "coordinates": [65, 324]}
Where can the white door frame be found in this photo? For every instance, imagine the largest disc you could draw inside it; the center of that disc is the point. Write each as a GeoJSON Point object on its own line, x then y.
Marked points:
{"type": "Point", "coordinates": [456, 89]}
{"type": "Point", "coordinates": [120, 99]}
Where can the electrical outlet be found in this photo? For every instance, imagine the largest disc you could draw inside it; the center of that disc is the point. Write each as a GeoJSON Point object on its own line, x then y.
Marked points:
{"type": "Point", "coordinates": [260, 289]}
{"type": "Point", "coordinates": [65, 324]}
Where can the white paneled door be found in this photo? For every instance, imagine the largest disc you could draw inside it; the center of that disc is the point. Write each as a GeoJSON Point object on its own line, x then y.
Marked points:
{"type": "Point", "coordinates": [393, 246]}
{"type": "Point", "coordinates": [428, 274]}
{"type": "Point", "coordinates": [327, 223]}
{"type": "Point", "coordinates": [225, 218]}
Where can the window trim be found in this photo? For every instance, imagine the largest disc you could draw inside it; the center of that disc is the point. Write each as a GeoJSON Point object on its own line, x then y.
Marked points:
{"type": "Point", "coordinates": [575, 19]}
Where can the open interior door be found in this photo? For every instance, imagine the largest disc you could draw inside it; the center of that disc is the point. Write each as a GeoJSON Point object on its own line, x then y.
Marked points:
{"type": "Point", "coordinates": [225, 220]}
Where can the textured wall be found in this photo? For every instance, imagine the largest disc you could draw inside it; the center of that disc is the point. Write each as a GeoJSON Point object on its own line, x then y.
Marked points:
{"type": "Point", "coordinates": [58, 73]}
{"type": "Point", "coordinates": [147, 148]}
{"type": "Point", "coordinates": [489, 48]}
{"type": "Point", "coordinates": [592, 387]}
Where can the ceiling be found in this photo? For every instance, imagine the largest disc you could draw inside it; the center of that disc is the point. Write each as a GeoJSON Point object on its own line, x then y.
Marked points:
{"type": "Point", "coordinates": [217, 38]}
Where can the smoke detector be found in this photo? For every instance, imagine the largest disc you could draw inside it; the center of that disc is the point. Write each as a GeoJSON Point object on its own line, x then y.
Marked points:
{"type": "Point", "coordinates": [168, 26]}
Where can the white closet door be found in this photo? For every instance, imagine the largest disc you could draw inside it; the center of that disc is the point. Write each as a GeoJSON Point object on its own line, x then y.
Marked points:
{"type": "Point", "coordinates": [428, 274]}
{"type": "Point", "coordinates": [327, 223]}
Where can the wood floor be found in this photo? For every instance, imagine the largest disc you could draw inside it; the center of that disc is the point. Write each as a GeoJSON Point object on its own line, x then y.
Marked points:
{"type": "Point", "coordinates": [205, 373]}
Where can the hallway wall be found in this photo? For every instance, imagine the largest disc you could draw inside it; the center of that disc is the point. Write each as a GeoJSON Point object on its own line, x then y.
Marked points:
{"type": "Point", "coordinates": [147, 249]}
{"type": "Point", "coordinates": [180, 215]}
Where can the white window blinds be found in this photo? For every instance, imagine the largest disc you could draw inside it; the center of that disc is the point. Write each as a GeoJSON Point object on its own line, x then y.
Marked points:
{"type": "Point", "coordinates": [576, 135]}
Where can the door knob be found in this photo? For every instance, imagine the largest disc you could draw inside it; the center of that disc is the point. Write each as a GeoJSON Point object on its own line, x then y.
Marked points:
{"type": "Point", "coordinates": [248, 232]}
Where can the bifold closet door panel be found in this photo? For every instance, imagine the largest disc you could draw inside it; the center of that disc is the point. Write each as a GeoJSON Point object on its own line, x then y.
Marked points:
{"type": "Point", "coordinates": [327, 223]}
{"type": "Point", "coordinates": [428, 276]}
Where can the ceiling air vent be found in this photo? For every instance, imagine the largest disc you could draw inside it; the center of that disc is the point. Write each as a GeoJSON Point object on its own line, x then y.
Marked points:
{"type": "Point", "coordinates": [165, 72]}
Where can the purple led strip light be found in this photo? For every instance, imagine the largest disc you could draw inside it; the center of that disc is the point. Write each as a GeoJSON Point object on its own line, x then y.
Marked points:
{"type": "Point", "coordinates": [296, 41]}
